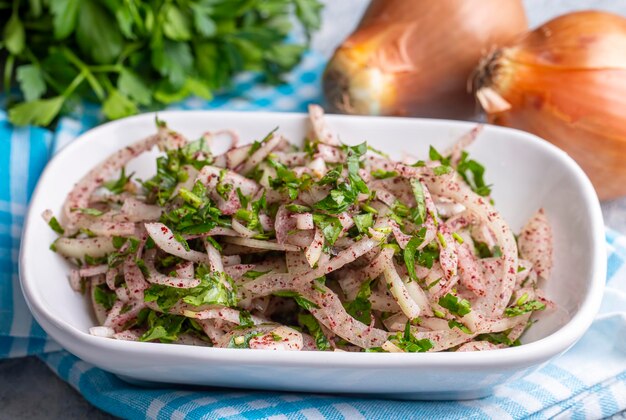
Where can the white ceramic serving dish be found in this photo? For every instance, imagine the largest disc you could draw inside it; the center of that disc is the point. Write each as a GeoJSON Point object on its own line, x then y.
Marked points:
{"type": "Point", "coordinates": [526, 171]}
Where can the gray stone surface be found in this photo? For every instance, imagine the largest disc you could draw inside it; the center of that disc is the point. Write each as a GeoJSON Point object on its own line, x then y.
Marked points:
{"type": "Point", "coordinates": [29, 390]}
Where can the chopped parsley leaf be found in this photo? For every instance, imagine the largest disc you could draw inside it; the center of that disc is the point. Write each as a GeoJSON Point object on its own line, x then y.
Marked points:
{"type": "Point", "coordinates": [163, 327]}
{"type": "Point", "coordinates": [309, 322]}
{"type": "Point", "coordinates": [456, 306]}
{"type": "Point", "coordinates": [56, 226]}
{"type": "Point", "coordinates": [90, 212]}
{"type": "Point", "coordinates": [104, 296]}
{"type": "Point", "coordinates": [454, 323]}
{"type": "Point", "coordinates": [245, 319]}
{"type": "Point", "coordinates": [419, 216]}
{"type": "Point", "coordinates": [298, 208]}
{"type": "Point", "coordinates": [252, 274]}
{"type": "Point", "coordinates": [363, 221]}
{"type": "Point", "coordinates": [212, 290]}
{"type": "Point", "coordinates": [380, 174]}
{"type": "Point", "coordinates": [433, 154]}
{"type": "Point", "coordinates": [530, 306]}
{"type": "Point", "coordinates": [409, 343]}
{"type": "Point", "coordinates": [410, 250]}
{"type": "Point", "coordinates": [300, 300]}
{"type": "Point", "coordinates": [442, 170]}
{"type": "Point", "coordinates": [286, 180]}
{"type": "Point", "coordinates": [361, 308]}
{"type": "Point", "coordinates": [243, 341]}
{"type": "Point", "coordinates": [473, 174]}
{"type": "Point", "coordinates": [330, 226]}
{"type": "Point", "coordinates": [118, 186]}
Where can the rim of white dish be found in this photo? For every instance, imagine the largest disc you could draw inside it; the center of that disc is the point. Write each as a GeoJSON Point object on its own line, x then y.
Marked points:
{"type": "Point", "coordinates": [524, 355]}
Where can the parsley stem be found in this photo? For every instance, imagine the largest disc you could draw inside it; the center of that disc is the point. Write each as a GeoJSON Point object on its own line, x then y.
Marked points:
{"type": "Point", "coordinates": [51, 81]}
{"type": "Point", "coordinates": [190, 197]}
{"type": "Point", "coordinates": [8, 71]}
{"type": "Point", "coordinates": [75, 83]}
{"type": "Point", "coordinates": [128, 50]}
{"type": "Point", "coordinates": [106, 69]}
{"type": "Point", "coordinates": [84, 68]}
{"type": "Point", "coordinates": [442, 240]}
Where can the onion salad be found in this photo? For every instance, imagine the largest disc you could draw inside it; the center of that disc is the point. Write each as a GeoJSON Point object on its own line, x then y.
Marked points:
{"type": "Point", "coordinates": [329, 246]}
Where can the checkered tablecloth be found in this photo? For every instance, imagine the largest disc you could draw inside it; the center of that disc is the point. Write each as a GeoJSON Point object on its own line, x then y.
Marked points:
{"type": "Point", "coordinates": [589, 381]}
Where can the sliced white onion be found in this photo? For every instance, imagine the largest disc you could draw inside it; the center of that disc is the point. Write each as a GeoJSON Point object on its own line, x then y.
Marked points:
{"type": "Point", "coordinates": [110, 278]}
{"type": "Point", "coordinates": [47, 215]}
{"type": "Point", "coordinates": [283, 224]}
{"type": "Point", "coordinates": [391, 348]}
{"type": "Point", "coordinates": [329, 154]}
{"type": "Point", "coordinates": [385, 196]}
{"type": "Point", "coordinates": [138, 211]}
{"type": "Point", "coordinates": [99, 310]}
{"type": "Point", "coordinates": [304, 221]}
{"type": "Point", "coordinates": [259, 244]}
{"type": "Point", "coordinates": [259, 155]}
{"type": "Point", "coordinates": [181, 282]}
{"type": "Point", "coordinates": [235, 157]}
{"type": "Point", "coordinates": [448, 257]}
{"type": "Point", "coordinates": [79, 197]}
{"type": "Point", "coordinates": [314, 251]}
{"type": "Point", "coordinates": [301, 238]}
{"type": "Point", "coordinates": [134, 279]}
{"type": "Point", "coordinates": [224, 313]}
{"type": "Point", "coordinates": [281, 338]}
{"type": "Point", "coordinates": [319, 128]}
{"type": "Point", "coordinates": [401, 238]}
{"type": "Point", "coordinates": [163, 237]}
{"type": "Point", "coordinates": [231, 260]}
{"type": "Point", "coordinates": [463, 143]}
{"type": "Point", "coordinates": [128, 335]}
{"type": "Point", "coordinates": [318, 167]}
{"type": "Point", "coordinates": [267, 224]}
{"type": "Point", "coordinates": [409, 307]}
{"type": "Point", "coordinates": [111, 229]}
{"type": "Point", "coordinates": [77, 248]}
{"type": "Point", "coordinates": [105, 332]}
{"type": "Point", "coordinates": [185, 270]}
{"type": "Point", "coordinates": [535, 244]}
{"type": "Point", "coordinates": [93, 270]}
{"type": "Point", "coordinates": [453, 188]}
{"type": "Point", "coordinates": [332, 314]}
{"type": "Point", "coordinates": [344, 257]}
{"type": "Point", "coordinates": [478, 346]}
{"type": "Point", "coordinates": [238, 270]}
{"type": "Point", "coordinates": [291, 158]}
{"type": "Point", "coordinates": [470, 274]}
{"type": "Point", "coordinates": [215, 259]}
{"type": "Point", "coordinates": [241, 229]}
{"type": "Point", "coordinates": [296, 262]}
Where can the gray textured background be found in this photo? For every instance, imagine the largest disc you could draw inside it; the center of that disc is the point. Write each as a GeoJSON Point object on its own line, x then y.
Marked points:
{"type": "Point", "coordinates": [29, 390]}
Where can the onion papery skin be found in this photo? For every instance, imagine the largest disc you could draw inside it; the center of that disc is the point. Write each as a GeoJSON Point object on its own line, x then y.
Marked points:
{"type": "Point", "coordinates": [414, 57]}
{"type": "Point", "coordinates": [566, 82]}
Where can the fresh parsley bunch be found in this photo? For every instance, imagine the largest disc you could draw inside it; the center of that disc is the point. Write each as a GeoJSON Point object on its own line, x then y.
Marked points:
{"type": "Point", "coordinates": [128, 54]}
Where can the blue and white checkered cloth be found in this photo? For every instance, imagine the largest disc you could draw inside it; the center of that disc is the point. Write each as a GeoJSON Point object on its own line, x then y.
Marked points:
{"type": "Point", "coordinates": [589, 381]}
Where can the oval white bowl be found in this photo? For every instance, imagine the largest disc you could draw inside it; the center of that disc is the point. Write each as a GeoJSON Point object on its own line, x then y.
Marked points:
{"type": "Point", "coordinates": [527, 173]}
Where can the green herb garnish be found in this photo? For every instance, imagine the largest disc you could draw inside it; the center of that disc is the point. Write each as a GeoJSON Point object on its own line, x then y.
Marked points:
{"type": "Point", "coordinates": [300, 300]}
{"type": "Point", "coordinates": [456, 306]}
{"type": "Point", "coordinates": [309, 322]}
{"type": "Point", "coordinates": [56, 226]}
{"type": "Point", "coordinates": [525, 307]}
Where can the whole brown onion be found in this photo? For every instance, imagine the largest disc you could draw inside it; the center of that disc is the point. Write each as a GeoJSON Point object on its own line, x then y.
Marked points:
{"type": "Point", "coordinates": [413, 57]}
{"type": "Point", "coordinates": [566, 82]}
